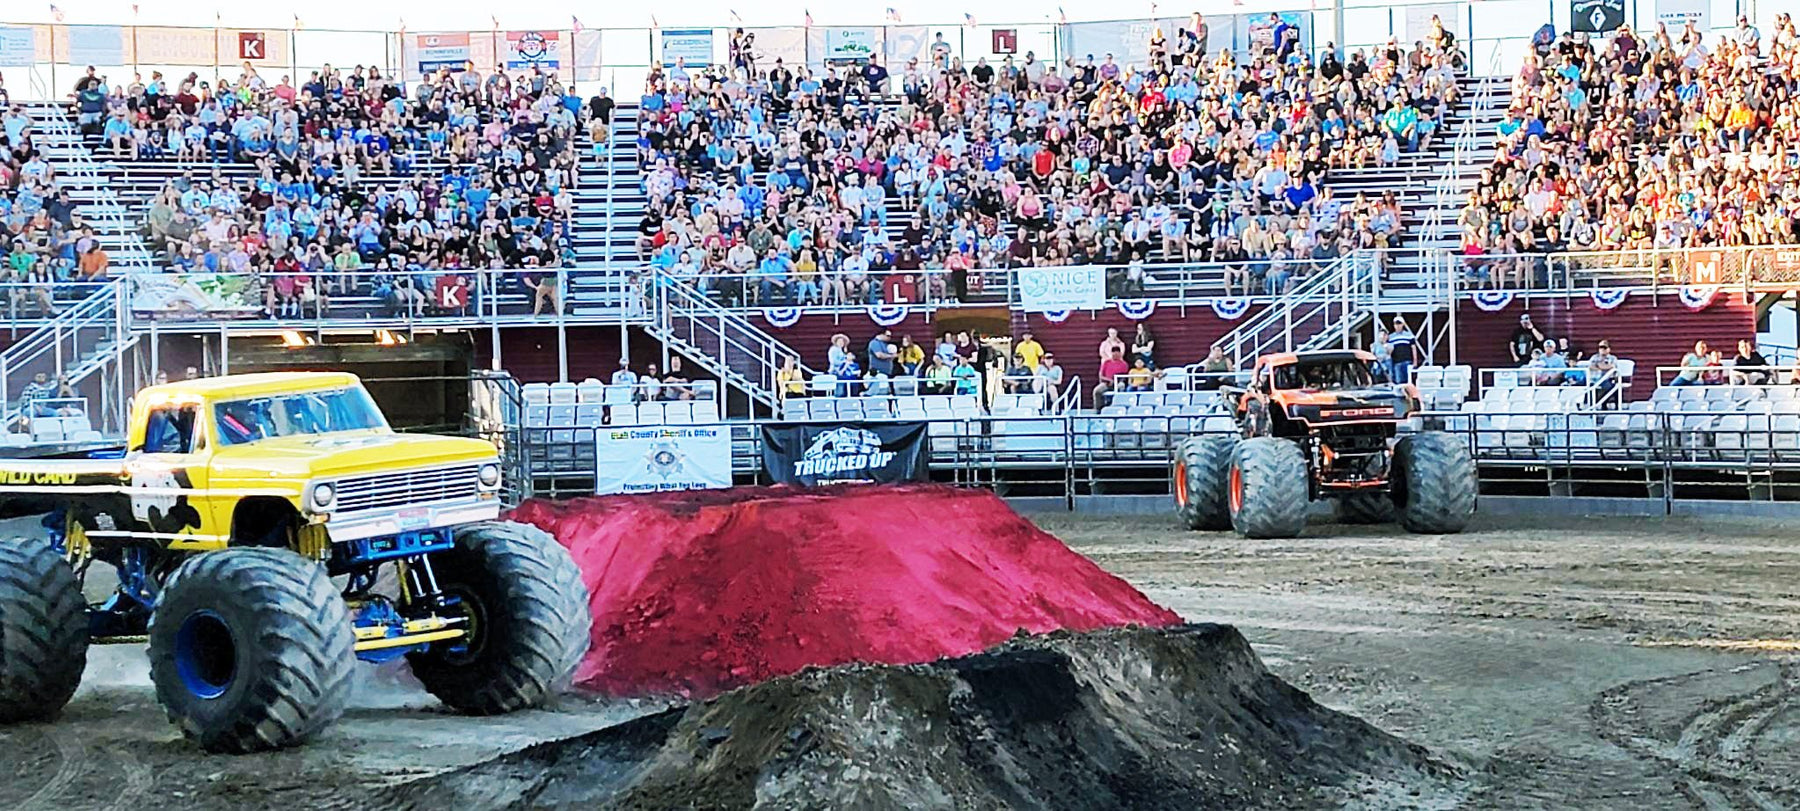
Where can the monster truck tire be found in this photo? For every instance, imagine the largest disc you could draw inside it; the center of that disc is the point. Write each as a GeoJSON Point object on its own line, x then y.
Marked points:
{"type": "Point", "coordinates": [43, 630]}
{"type": "Point", "coordinates": [1365, 508]}
{"type": "Point", "coordinates": [251, 649]}
{"type": "Point", "coordinates": [529, 620]}
{"type": "Point", "coordinates": [1268, 490]}
{"type": "Point", "coordinates": [1433, 483]}
{"type": "Point", "coordinates": [1202, 471]}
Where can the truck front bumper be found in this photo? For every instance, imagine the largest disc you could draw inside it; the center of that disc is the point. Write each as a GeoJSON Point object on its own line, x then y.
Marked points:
{"type": "Point", "coordinates": [376, 523]}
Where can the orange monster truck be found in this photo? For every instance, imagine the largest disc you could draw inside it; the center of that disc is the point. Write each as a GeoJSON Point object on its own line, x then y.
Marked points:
{"type": "Point", "coordinates": [1316, 425]}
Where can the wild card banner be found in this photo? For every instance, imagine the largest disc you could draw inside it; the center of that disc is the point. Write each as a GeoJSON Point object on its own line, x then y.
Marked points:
{"type": "Point", "coordinates": [659, 459]}
{"type": "Point", "coordinates": [811, 454]}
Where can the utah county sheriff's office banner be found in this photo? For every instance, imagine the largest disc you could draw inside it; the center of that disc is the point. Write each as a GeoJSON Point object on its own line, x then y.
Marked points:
{"type": "Point", "coordinates": [662, 458]}
{"type": "Point", "coordinates": [1062, 288]}
{"type": "Point", "coordinates": [829, 453]}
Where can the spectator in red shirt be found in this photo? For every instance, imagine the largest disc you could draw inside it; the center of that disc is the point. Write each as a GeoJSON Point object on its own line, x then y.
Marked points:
{"type": "Point", "coordinates": [1110, 371]}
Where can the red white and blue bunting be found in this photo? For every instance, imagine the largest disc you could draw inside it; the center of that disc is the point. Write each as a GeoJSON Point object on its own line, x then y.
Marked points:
{"type": "Point", "coordinates": [1493, 301]}
{"type": "Point", "coordinates": [1230, 309]}
{"type": "Point", "coordinates": [1056, 316]}
{"type": "Point", "coordinates": [781, 317]}
{"type": "Point", "coordinates": [1609, 298]}
{"type": "Point", "coordinates": [1697, 296]}
{"type": "Point", "coordinates": [887, 315]}
{"type": "Point", "coordinates": [1137, 309]}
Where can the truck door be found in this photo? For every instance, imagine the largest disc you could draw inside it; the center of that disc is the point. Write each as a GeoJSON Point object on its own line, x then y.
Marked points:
{"type": "Point", "coordinates": [168, 479]}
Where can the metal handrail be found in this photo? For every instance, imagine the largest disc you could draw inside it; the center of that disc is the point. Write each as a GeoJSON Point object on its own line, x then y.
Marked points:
{"type": "Point", "coordinates": [1339, 297]}
{"type": "Point", "coordinates": [63, 346]}
{"type": "Point", "coordinates": [715, 336]}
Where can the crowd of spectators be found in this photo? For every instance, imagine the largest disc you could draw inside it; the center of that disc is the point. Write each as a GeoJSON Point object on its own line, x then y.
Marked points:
{"type": "Point", "coordinates": [336, 201]}
{"type": "Point", "coordinates": [772, 183]}
{"type": "Point", "coordinates": [47, 251]}
{"type": "Point", "coordinates": [1641, 142]}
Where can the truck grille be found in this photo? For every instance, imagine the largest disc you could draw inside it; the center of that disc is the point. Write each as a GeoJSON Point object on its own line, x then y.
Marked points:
{"type": "Point", "coordinates": [389, 490]}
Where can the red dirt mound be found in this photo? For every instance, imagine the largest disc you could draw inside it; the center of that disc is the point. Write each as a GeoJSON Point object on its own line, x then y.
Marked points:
{"type": "Point", "coordinates": [700, 592]}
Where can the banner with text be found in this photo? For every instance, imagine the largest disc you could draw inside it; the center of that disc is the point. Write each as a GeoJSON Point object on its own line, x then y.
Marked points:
{"type": "Point", "coordinates": [1677, 13]}
{"type": "Point", "coordinates": [694, 46]}
{"type": "Point", "coordinates": [533, 49]}
{"type": "Point", "coordinates": [812, 454]}
{"type": "Point", "coordinates": [851, 44]}
{"type": "Point", "coordinates": [18, 47]}
{"type": "Point", "coordinates": [1062, 288]}
{"type": "Point", "coordinates": [435, 51]}
{"type": "Point", "coordinates": [659, 459]}
{"type": "Point", "coordinates": [96, 45]}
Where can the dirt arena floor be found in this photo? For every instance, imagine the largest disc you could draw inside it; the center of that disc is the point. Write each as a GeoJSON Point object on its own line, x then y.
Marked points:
{"type": "Point", "coordinates": [1581, 664]}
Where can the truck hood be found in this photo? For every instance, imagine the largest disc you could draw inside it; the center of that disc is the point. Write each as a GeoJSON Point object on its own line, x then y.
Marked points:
{"type": "Point", "coordinates": [1378, 403]}
{"type": "Point", "coordinates": [354, 452]}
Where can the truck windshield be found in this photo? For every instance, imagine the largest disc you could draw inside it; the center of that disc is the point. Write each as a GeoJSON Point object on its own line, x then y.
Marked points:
{"type": "Point", "coordinates": [1330, 375]}
{"type": "Point", "coordinates": [312, 412]}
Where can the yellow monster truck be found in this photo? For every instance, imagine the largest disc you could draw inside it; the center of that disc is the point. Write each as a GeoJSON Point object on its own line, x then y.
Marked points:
{"type": "Point", "coordinates": [233, 505]}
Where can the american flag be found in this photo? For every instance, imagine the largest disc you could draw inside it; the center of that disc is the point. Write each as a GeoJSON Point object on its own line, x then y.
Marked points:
{"type": "Point", "coordinates": [1062, 16]}
{"type": "Point", "coordinates": [297, 25]}
{"type": "Point", "coordinates": [809, 18]}
{"type": "Point", "coordinates": [56, 12]}
{"type": "Point", "coordinates": [577, 23]}
{"type": "Point", "coordinates": [968, 19]}
{"type": "Point", "coordinates": [892, 15]}
{"type": "Point", "coordinates": [735, 18]}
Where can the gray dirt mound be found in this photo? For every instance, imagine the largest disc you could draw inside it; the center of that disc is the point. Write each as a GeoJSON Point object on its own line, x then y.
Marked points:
{"type": "Point", "coordinates": [1178, 718]}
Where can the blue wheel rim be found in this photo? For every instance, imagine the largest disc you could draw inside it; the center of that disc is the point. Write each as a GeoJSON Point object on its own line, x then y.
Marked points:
{"type": "Point", "coordinates": [205, 654]}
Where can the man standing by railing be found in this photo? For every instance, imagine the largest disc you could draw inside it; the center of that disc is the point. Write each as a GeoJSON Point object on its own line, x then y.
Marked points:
{"type": "Point", "coordinates": [1403, 349]}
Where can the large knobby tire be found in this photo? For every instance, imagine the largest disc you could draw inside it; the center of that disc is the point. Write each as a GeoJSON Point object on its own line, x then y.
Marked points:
{"type": "Point", "coordinates": [1365, 508]}
{"type": "Point", "coordinates": [529, 620]}
{"type": "Point", "coordinates": [1201, 472]}
{"type": "Point", "coordinates": [1268, 489]}
{"type": "Point", "coordinates": [1434, 483]}
{"type": "Point", "coordinates": [43, 630]}
{"type": "Point", "coordinates": [251, 649]}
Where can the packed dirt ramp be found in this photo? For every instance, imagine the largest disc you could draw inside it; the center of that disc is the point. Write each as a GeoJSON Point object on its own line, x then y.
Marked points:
{"type": "Point", "coordinates": [1130, 718]}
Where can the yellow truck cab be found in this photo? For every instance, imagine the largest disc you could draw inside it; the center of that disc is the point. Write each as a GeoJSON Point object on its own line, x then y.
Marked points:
{"type": "Point", "coordinates": [258, 457]}
{"type": "Point", "coordinates": [231, 507]}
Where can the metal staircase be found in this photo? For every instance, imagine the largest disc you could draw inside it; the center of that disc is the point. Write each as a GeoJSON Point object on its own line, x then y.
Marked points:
{"type": "Point", "coordinates": [91, 185]}
{"type": "Point", "coordinates": [89, 345]}
{"type": "Point", "coordinates": [1322, 311]}
{"type": "Point", "coordinates": [722, 342]}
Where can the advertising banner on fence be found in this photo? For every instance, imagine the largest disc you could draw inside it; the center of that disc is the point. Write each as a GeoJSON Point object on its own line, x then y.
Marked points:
{"type": "Point", "coordinates": [178, 296]}
{"type": "Point", "coordinates": [1597, 16]}
{"type": "Point", "coordinates": [96, 45]}
{"type": "Point", "coordinates": [659, 459]}
{"type": "Point", "coordinates": [1062, 288]}
{"type": "Point", "coordinates": [851, 44]}
{"type": "Point", "coordinates": [1677, 13]}
{"type": "Point", "coordinates": [435, 51]}
{"type": "Point", "coordinates": [18, 47]}
{"type": "Point", "coordinates": [694, 45]}
{"type": "Point", "coordinates": [533, 49]}
{"type": "Point", "coordinates": [811, 454]}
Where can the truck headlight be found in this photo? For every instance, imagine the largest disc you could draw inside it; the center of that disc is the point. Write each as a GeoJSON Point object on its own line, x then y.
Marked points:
{"type": "Point", "coordinates": [489, 474]}
{"type": "Point", "coordinates": [321, 496]}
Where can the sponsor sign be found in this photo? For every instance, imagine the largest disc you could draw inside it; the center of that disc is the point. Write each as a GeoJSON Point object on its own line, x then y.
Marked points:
{"type": "Point", "coordinates": [1006, 40]}
{"type": "Point", "coordinates": [1677, 13]}
{"type": "Point", "coordinates": [18, 47]}
{"type": "Point", "coordinates": [1062, 288]}
{"type": "Point", "coordinates": [1707, 267]}
{"type": "Point", "coordinates": [812, 454]}
{"type": "Point", "coordinates": [435, 51]}
{"type": "Point", "coordinates": [96, 45]}
{"type": "Point", "coordinates": [179, 296]}
{"type": "Point", "coordinates": [851, 44]}
{"type": "Point", "coordinates": [533, 49]}
{"type": "Point", "coordinates": [693, 45]}
{"type": "Point", "coordinates": [1597, 16]}
{"type": "Point", "coordinates": [660, 459]}
{"type": "Point", "coordinates": [252, 45]}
